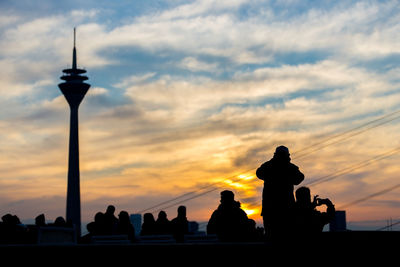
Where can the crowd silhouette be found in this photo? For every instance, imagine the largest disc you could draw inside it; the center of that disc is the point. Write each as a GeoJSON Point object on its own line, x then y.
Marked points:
{"type": "Point", "coordinates": [13, 231]}
{"type": "Point", "coordinates": [177, 227]}
{"type": "Point", "coordinates": [285, 214]}
{"type": "Point", "coordinates": [108, 224]}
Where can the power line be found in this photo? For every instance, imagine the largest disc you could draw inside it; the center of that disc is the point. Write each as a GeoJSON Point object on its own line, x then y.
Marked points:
{"type": "Point", "coordinates": [190, 198]}
{"type": "Point", "coordinates": [384, 191]}
{"type": "Point", "coordinates": [315, 182]}
{"type": "Point", "coordinates": [387, 190]}
{"type": "Point", "coordinates": [194, 194]}
{"type": "Point", "coordinates": [349, 169]}
{"type": "Point", "coordinates": [352, 168]}
{"type": "Point", "coordinates": [381, 192]}
{"type": "Point", "coordinates": [388, 226]}
{"type": "Point", "coordinates": [170, 200]}
{"type": "Point", "coordinates": [324, 143]}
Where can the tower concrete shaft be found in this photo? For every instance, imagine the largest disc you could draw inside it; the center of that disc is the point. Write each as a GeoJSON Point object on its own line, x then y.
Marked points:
{"type": "Point", "coordinates": [74, 90]}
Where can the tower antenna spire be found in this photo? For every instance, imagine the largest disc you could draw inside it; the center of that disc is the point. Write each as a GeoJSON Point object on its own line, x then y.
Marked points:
{"type": "Point", "coordinates": [74, 52]}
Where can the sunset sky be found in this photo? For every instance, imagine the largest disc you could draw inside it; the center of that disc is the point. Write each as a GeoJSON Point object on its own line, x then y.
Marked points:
{"type": "Point", "coordinates": [190, 97]}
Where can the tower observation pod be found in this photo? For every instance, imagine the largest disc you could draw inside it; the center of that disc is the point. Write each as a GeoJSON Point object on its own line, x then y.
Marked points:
{"type": "Point", "coordinates": [74, 89]}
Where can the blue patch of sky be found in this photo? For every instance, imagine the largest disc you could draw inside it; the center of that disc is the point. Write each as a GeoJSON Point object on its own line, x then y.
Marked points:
{"type": "Point", "coordinates": [387, 93]}
{"type": "Point", "coordinates": [136, 61]}
{"type": "Point", "coordinates": [48, 92]}
{"type": "Point", "coordinates": [290, 58]}
{"type": "Point", "coordinates": [382, 66]}
{"type": "Point", "coordinates": [379, 64]}
{"type": "Point", "coordinates": [317, 94]}
{"type": "Point", "coordinates": [130, 61]}
{"type": "Point", "coordinates": [298, 58]}
{"type": "Point", "coordinates": [112, 99]}
{"type": "Point", "coordinates": [275, 11]}
{"type": "Point", "coordinates": [113, 13]}
{"type": "Point", "coordinates": [295, 8]}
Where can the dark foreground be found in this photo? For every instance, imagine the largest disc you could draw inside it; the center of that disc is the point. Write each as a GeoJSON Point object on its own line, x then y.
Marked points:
{"type": "Point", "coordinates": [353, 248]}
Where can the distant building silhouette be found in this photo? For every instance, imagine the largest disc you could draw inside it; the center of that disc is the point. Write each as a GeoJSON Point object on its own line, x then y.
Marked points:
{"type": "Point", "coordinates": [74, 90]}
{"type": "Point", "coordinates": [193, 227]}
{"type": "Point", "coordinates": [136, 220]}
{"type": "Point", "coordinates": [339, 222]}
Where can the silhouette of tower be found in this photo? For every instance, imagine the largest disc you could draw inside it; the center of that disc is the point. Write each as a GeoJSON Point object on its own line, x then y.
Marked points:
{"type": "Point", "coordinates": [74, 90]}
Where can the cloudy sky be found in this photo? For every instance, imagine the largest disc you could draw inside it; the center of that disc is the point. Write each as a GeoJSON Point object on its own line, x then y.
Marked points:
{"type": "Point", "coordinates": [188, 98]}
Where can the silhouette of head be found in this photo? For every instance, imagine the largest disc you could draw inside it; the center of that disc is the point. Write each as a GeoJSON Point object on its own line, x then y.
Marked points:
{"type": "Point", "coordinates": [16, 219]}
{"type": "Point", "coordinates": [148, 218]}
{"type": "Point", "coordinates": [40, 220]}
{"type": "Point", "coordinates": [99, 217]}
{"type": "Point", "coordinates": [59, 221]}
{"type": "Point", "coordinates": [303, 195]}
{"type": "Point", "coordinates": [8, 219]}
{"type": "Point", "coordinates": [110, 209]}
{"type": "Point", "coordinates": [162, 215]}
{"type": "Point", "coordinates": [123, 216]}
{"type": "Point", "coordinates": [181, 211]}
{"type": "Point", "coordinates": [91, 227]}
{"type": "Point", "coordinates": [282, 153]}
{"type": "Point", "coordinates": [227, 197]}
{"type": "Point", "coordinates": [252, 223]}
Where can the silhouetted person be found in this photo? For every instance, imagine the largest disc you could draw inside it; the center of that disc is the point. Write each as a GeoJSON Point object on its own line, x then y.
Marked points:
{"type": "Point", "coordinates": [40, 220]}
{"type": "Point", "coordinates": [12, 231]}
{"type": "Point", "coordinates": [279, 176]}
{"type": "Point", "coordinates": [60, 222]}
{"type": "Point", "coordinates": [100, 227]}
{"type": "Point", "coordinates": [87, 239]}
{"type": "Point", "coordinates": [110, 220]}
{"type": "Point", "coordinates": [125, 226]}
{"type": "Point", "coordinates": [229, 222]}
{"type": "Point", "coordinates": [148, 225]}
{"type": "Point", "coordinates": [256, 234]}
{"type": "Point", "coordinates": [163, 225]}
{"type": "Point", "coordinates": [307, 220]}
{"type": "Point", "coordinates": [95, 228]}
{"type": "Point", "coordinates": [180, 225]}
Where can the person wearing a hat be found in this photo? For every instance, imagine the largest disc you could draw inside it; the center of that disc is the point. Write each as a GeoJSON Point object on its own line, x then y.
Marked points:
{"type": "Point", "coordinates": [229, 222]}
{"type": "Point", "coordinates": [279, 176]}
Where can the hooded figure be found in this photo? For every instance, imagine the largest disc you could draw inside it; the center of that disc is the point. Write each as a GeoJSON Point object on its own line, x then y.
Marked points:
{"type": "Point", "coordinates": [279, 176]}
{"type": "Point", "coordinates": [180, 225]}
{"type": "Point", "coordinates": [229, 222]}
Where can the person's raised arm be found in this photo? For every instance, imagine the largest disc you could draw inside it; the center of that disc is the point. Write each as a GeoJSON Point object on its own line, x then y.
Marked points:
{"type": "Point", "coordinates": [330, 210]}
